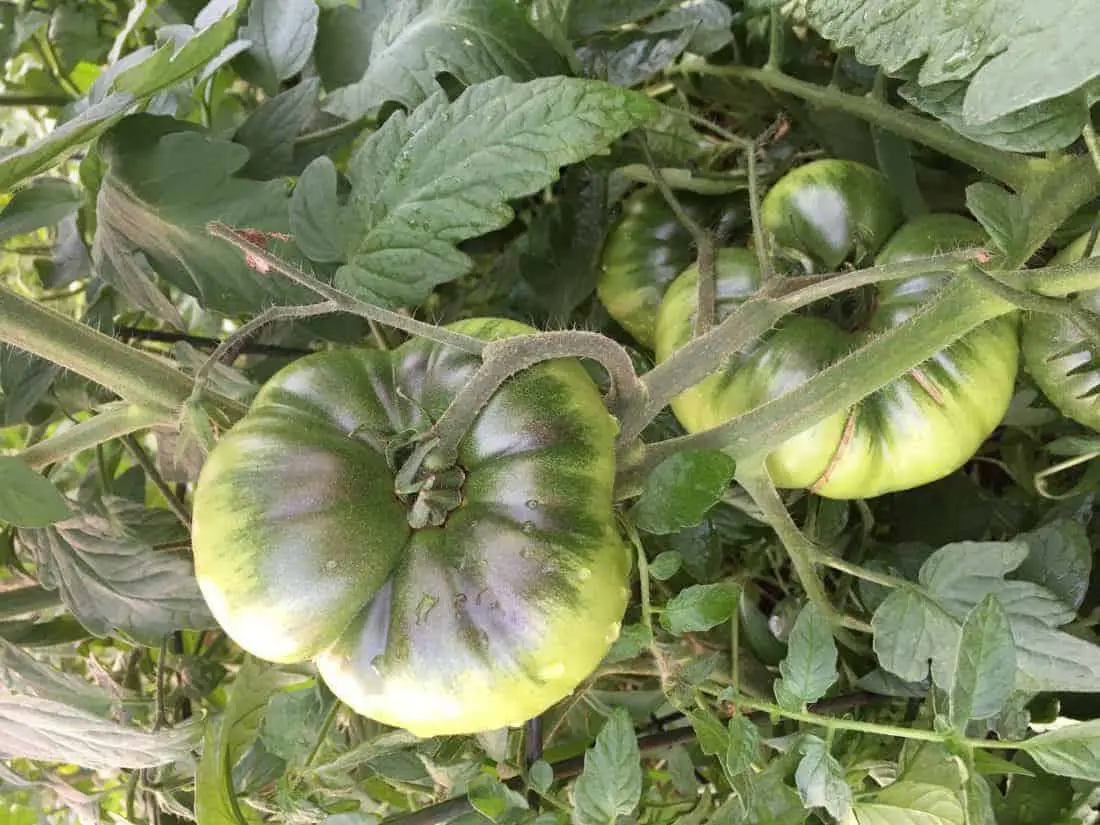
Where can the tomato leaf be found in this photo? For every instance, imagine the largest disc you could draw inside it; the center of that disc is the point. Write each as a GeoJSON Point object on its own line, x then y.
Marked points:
{"type": "Point", "coordinates": [166, 181]}
{"type": "Point", "coordinates": [681, 489]}
{"type": "Point", "coordinates": [1039, 127]}
{"type": "Point", "coordinates": [1005, 56]}
{"type": "Point", "coordinates": [444, 174]}
{"type": "Point", "coordinates": [492, 798]}
{"type": "Point", "coordinates": [341, 51]}
{"type": "Point", "coordinates": [809, 668]}
{"type": "Point", "coordinates": [27, 499]}
{"type": "Point", "coordinates": [744, 746]}
{"type": "Point", "coordinates": [1059, 558]}
{"type": "Point", "coordinates": [281, 33]}
{"type": "Point", "coordinates": [113, 581]}
{"type": "Point", "coordinates": [21, 673]}
{"type": "Point", "coordinates": [224, 741]}
{"type": "Point", "coordinates": [418, 40]}
{"type": "Point", "coordinates": [44, 203]}
{"type": "Point", "coordinates": [910, 631]}
{"type": "Point", "coordinates": [292, 722]}
{"type": "Point", "coordinates": [909, 803]}
{"type": "Point", "coordinates": [35, 728]}
{"type": "Point", "coordinates": [144, 77]}
{"type": "Point", "coordinates": [1072, 751]}
{"type": "Point", "coordinates": [985, 666]}
{"type": "Point", "coordinates": [270, 131]}
{"type": "Point", "coordinates": [666, 565]}
{"type": "Point", "coordinates": [820, 779]}
{"type": "Point", "coordinates": [55, 146]}
{"type": "Point", "coordinates": [699, 607]}
{"type": "Point", "coordinates": [611, 784]}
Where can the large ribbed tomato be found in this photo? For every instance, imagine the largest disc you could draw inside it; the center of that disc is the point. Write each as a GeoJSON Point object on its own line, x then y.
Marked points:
{"type": "Point", "coordinates": [1063, 359]}
{"type": "Point", "coordinates": [647, 248]}
{"type": "Point", "coordinates": [304, 549]}
{"type": "Point", "coordinates": [912, 431]}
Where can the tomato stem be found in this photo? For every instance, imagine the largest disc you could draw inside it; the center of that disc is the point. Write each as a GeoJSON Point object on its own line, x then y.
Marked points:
{"type": "Point", "coordinates": [753, 476]}
{"type": "Point", "coordinates": [136, 376]}
{"type": "Point", "coordinates": [505, 357]}
{"type": "Point", "coordinates": [754, 317]}
{"type": "Point", "coordinates": [895, 731]}
{"type": "Point", "coordinates": [112, 422]}
{"type": "Point", "coordinates": [704, 245]}
{"type": "Point", "coordinates": [1015, 170]}
{"type": "Point", "coordinates": [958, 308]}
{"type": "Point", "coordinates": [341, 300]}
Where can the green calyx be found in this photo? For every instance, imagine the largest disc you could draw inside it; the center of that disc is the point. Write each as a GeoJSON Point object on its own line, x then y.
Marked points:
{"type": "Point", "coordinates": [429, 492]}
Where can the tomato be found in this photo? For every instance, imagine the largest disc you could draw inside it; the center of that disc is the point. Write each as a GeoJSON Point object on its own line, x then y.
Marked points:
{"type": "Point", "coordinates": [1062, 358]}
{"type": "Point", "coordinates": [647, 248]}
{"type": "Point", "coordinates": [914, 430]}
{"type": "Point", "coordinates": [832, 210]}
{"type": "Point", "coordinates": [304, 549]}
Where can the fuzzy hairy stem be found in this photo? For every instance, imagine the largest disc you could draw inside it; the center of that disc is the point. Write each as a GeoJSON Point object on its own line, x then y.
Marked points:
{"type": "Point", "coordinates": [112, 422]}
{"type": "Point", "coordinates": [753, 476]}
{"type": "Point", "coordinates": [505, 357]}
{"type": "Point", "coordinates": [755, 316]}
{"type": "Point", "coordinates": [957, 309]}
{"type": "Point", "coordinates": [342, 300]}
{"type": "Point", "coordinates": [1015, 170]}
{"type": "Point", "coordinates": [136, 376]}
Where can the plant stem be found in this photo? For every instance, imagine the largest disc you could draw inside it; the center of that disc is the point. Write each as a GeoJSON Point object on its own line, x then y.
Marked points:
{"type": "Point", "coordinates": [896, 731]}
{"type": "Point", "coordinates": [166, 336]}
{"type": "Point", "coordinates": [342, 300]}
{"type": "Point", "coordinates": [883, 579]}
{"type": "Point", "coordinates": [246, 331]}
{"type": "Point", "coordinates": [505, 357]}
{"type": "Point", "coordinates": [15, 100]}
{"type": "Point", "coordinates": [759, 242]}
{"type": "Point", "coordinates": [322, 734]}
{"type": "Point", "coordinates": [153, 474]}
{"type": "Point", "coordinates": [112, 422]}
{"type": "Point", "coordinates": [704, 245]}
{"type": "Point", "coordinates": [802, 552]}
{"type": "Point", "coordinates": [136, 376]}
{"type": "Point", "coordinates": [958, 308]}
{"type": "Point", "coordinates": [1015, 170]}
{"type": "Point", "coordinates": [755, 316]}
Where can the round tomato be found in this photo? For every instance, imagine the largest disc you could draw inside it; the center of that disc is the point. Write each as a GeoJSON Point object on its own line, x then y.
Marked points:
{"type": "Point", "coordinates": [304, 549]}
{"type": "Point", "coordinates": [647, 248]}
{"type": "Point", "coordinates": [912, 431]}
{"type": "Point", "coordinates": [832, 210]}
{"type": "Point", "coordinates": [1061, 357]}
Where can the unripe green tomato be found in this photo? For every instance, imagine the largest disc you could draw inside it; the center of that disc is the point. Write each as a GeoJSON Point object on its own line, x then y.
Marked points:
{"type": "Point", "coordinates": [832, 210]}
{"type": "Point", "coordinates": [912, 431]}
{"type": "Point", "coordinates": [647, 248]}
{"type": "Point", "coordinates": [304, 550]}
{"type": "Point", "coordinates": [1061, 357]}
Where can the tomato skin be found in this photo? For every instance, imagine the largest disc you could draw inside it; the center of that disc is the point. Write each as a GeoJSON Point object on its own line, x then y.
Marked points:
{"type": "Point", "coordinates": [647, 248]}
{"type": "Point", "coordinates": [303, 551]}
{"type": "Point", "coordinates": [913, 431]}
{"type": "Point", "coordinates": [1060, 357]}
{"type": "Point", "coordinates": [832, 210]}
